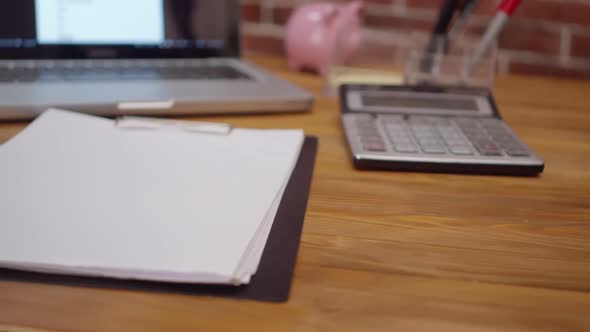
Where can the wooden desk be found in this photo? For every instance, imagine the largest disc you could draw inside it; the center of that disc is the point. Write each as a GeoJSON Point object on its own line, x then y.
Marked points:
{"type": "Point", "coordinates": [395, 251]}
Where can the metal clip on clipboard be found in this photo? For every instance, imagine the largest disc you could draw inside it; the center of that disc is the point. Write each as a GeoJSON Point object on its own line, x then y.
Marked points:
{"type": "Point", "coordinates": [133, 122]}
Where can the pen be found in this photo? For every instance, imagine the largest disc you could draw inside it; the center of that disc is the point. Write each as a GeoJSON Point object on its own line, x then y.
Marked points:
{"type": "Point", "coordinates": [505, 10]}
{"type": "Point", "coordinates": [445, 16]}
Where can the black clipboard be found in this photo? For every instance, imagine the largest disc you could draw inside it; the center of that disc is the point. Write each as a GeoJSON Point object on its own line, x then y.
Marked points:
{"type": "Point", "coordinates": [272, 281]}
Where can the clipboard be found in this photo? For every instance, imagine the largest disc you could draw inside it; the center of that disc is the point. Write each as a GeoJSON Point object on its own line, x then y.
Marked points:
{"type": "Point", "coordinates": [272, 281]}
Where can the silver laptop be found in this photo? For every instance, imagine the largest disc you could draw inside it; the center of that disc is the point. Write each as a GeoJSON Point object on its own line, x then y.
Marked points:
{"type": "Point", "coordinates": [149, 57]}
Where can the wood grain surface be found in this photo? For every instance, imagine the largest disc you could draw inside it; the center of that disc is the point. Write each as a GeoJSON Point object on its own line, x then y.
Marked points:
{"type": "Point", "coordinates": [385, 251]}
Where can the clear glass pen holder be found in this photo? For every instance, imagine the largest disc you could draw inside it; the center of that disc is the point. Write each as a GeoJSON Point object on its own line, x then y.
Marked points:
{"type": "Point", "coordinates": [371, 58]}
{"type": "Point", "coordinates": [450, 61]}
{"type": "Point", "coordinates": [415, 58]}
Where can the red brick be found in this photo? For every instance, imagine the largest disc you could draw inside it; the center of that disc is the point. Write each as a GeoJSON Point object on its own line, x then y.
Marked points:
{"type": "Point", "coordinates": [262, 44]}
{"type": "Point", "coordinates": [486, 7]}
{"type": "Point", "coordinates": [476, 28]}
{"type": "Point", "coordinates": [250, 12]}
{"type": "Point", "coordinates": [566, 11]}
{"type": "Point", "coordinates": [549, 70]}
{"type": "Point", "coordinates": [380, 54]}
{"type": "Point", "coordinates": [581, 45]}
{"type": "Point", "coordinates": [281, 14]}
{"type": "Point", "coordinates": [397, 23]}
{"type": "Point", "coordinates": [483, 7]}
{"type": "Point", "coordinates": [526, 37]}
{"type": "Point", "coordinates": [423, 3]}
{"type": "Point", "coordinates": [380, 2]}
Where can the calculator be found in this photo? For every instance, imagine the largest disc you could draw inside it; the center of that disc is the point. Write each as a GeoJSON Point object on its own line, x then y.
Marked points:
{"type": "Point", "coordinates": [431, 129]}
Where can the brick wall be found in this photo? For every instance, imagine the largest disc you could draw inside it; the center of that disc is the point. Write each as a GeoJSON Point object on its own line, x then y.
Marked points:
{"type": "Point", "coordinates": [548, 37]}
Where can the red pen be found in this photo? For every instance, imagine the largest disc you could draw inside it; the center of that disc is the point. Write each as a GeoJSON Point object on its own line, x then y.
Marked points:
{"type": "Point", "coordinates": [505, 10]}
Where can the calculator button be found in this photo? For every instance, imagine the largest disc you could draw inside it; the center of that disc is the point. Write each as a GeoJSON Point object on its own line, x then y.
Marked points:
{"type": "Point", "coordinates": [461, 150]}
{"type": "Point", "coordinates": [363, 118]}
{"type": "Point", "coordinates": [435, 149]}
{"type": "Point", "coordinates": [474, 134]}
{"type": "Point", "coordinates": [449, 133]}
{"type": "Point", "coordinates": [517, 152]}
{"type": "Point", "coordinates": [466, 122]}
{"type": "Point", "coordinates": [418, 125]}
{"type": "Point", "coordinates": [425, 135]}
{"type": "Point", "coordinates": [446, 128]}
{"type": "Point", "coordinates": [423, 131]}
{"type": "Point", "coordinates": [401, 139]}
{"type": "Point", "coordinates": [367, 128]}
{"type": "Point", "coordinates": [371, 136]}
{"type": "Point", "coordinates": [490, 152]}
{"type": "Point", "coordinates": [443, 122]}
{"type": "Point", "coordinates": [393, 124]}
{"type": "Point", "coordinates": [374, 147]}
{"type": "Point", "coordinates": [391, 118]}
{"type": "Point", "coordinates": [368, 131]}
{"type": "Point", "coordinates": [398, 133]}
{"type": "Point", "coordinates": [504, 139]}
{"type": "Point", "coordinates": [483, 140]}
{"type": "Point", "coordinates": [455, 141]}
{"type": "Point", "coordinates": [469, 127]}
{"type": "Point", "coordinates": [422, 120]}
{"type": "Point", "coordinates": [497, 132]}
{"type": "Point", "coordinates": [406, 148]}
{"type": "Point", "coordinates": [449, 138]}
{"type": "Point", "coordinates": [395, 129]}
{"type": "Point", "coordinates": [371, 140]}
{"type": "Point", "coordinates": [366, 124]}
{"type": "Point", "coordinates": [488, 148]}
{"type": "Point", "coordinates": [429, 141]}
{"type": "Point", "coordinates": [512, 146]}
{"type": "Point", "coordinates": [491, 123]}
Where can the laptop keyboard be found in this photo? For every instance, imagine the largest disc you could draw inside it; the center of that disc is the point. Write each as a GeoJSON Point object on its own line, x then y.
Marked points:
{"type": "Point", "coordinates": [115, 71]}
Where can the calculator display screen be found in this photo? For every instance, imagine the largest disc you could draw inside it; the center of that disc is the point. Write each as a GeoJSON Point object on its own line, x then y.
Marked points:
{"type": "Point", "coordinates": [455, 104]}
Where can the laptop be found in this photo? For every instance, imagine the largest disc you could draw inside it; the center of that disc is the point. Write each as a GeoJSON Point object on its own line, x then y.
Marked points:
{"type": "Point", "coordinates": [132, 57]}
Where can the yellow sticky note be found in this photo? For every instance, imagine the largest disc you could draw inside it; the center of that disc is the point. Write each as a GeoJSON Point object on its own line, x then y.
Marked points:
{"type": "Point", "coordinates": [349, 75]}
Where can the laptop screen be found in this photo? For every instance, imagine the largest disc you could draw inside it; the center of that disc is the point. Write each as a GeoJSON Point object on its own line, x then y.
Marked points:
{"type": "Point", "coordinates": [116, 28]}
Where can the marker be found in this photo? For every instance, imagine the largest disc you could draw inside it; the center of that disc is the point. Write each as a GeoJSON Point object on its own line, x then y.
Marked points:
{"type": "Point", "coordinates": [505, 10]}
{"type": "Point", "coordinates": [464, 13]}
{"type": "Point", "coordinates": [445, 16]}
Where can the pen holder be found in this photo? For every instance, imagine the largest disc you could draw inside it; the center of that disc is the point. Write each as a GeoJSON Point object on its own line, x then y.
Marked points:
{"type": "Point", "coordinates": [391, 57]}
{"type": "Point", "coordinates": [442, 60]}
{"type": "Point", "coordinates": [364, 57]}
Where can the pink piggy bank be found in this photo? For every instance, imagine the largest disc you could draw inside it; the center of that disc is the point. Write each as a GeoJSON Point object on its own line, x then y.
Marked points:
{"type": "Point", "coordinates": [314, 30]}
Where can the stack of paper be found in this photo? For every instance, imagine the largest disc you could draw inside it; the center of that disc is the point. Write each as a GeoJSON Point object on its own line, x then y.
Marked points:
{"type": "Point", "coordinates": [80, 195]}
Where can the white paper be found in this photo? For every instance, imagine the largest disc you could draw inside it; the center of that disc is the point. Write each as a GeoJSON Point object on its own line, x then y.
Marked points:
{"type": "Point", "coordinates": [80, 195]}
